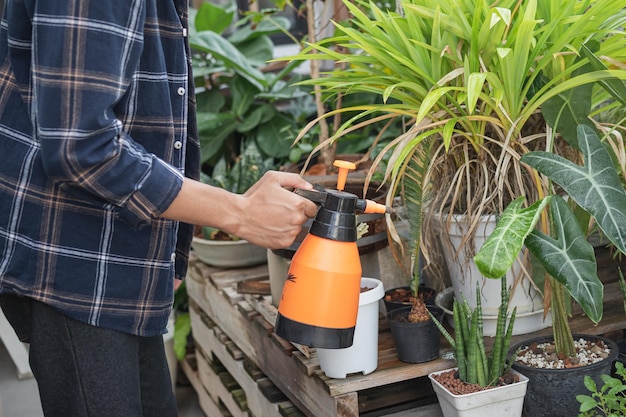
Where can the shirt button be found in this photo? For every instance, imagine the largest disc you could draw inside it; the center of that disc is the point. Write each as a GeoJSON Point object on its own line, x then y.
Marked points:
{"type": "Point", "coordinates": [181, 91]}
{"type": "Point", "coordinates": [178, 144]}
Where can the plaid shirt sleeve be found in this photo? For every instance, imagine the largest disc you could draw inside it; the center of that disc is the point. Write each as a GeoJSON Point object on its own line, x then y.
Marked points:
{"type": "Point", "coordinates": [85, 57]}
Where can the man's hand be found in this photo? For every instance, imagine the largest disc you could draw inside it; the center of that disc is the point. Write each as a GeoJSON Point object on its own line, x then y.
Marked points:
{"type": "Point", "coordinates": [268, 214]}
{"type": "Point", "coordinates": [274, 215]}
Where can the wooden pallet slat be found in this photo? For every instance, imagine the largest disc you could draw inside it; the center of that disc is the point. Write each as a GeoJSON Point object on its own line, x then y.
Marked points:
{"type": "Point", "coordinates": [231, 379]}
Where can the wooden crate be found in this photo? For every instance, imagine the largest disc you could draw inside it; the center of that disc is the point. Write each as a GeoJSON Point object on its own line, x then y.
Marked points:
{"type": "Point", "coordinates": [247, 321]}
{"type": "Point", "coordinates": [234, 384]}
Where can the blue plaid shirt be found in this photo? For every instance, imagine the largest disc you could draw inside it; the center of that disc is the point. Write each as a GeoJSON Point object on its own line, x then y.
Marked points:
{"type": "Point", "coordinates": [97, 131]}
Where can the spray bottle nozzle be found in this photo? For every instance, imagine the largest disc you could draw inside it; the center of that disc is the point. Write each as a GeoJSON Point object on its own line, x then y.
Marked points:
{"type": "Point", "coordinates": [318, 196]}
{"type": "Point", "coordinates": [369, 206]}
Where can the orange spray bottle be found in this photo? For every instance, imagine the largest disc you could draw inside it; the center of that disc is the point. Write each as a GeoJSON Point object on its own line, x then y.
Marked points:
{"type": "Point", "coordinates": [320, 299]}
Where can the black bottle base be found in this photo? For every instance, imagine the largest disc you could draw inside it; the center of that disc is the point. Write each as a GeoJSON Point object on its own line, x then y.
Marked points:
{"type": "Point", "coordinates": [313, 336]}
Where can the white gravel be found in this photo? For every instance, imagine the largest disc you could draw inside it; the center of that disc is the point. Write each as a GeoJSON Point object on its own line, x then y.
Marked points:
{"type": "Point", "coordinates": [545, 357]}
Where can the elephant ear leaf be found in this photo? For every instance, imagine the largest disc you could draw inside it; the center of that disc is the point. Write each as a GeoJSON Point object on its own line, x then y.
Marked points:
{"type": "Point", "coordinates": [595, 186]}
{"type": "Point", "coordinates": [569, 258]}
{"type": "Point", "coordinates": [504, 244]}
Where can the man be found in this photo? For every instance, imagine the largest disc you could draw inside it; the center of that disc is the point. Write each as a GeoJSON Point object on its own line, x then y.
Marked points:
{"type": "Point", "coordinates": [98, 155]}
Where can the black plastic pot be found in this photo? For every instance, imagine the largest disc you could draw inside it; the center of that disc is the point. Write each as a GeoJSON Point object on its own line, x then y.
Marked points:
{"type": "Point", "coordinates": [552, 392]}
{"type": "Point", "coordinates": [428, 295]}
{"type": "Point", "coordinates": [415, 342]}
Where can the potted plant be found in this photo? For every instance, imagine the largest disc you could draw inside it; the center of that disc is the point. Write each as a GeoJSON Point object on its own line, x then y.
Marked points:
{"type": "Point", "coordinates": [414, 331]}
{"type": "Point", "coordinates": [568, 258]}
{"type": "Point", "coordinates": [478, 85]}
{"type": "Point", "coordinates": [481, 384]}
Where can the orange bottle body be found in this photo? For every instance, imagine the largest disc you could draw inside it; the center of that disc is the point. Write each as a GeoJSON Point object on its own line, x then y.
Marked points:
{"type": "Point", "coordinates": [323, 284]}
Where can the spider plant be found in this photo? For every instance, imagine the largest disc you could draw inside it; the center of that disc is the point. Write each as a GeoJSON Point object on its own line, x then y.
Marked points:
{"type": "Point", "coordinates": [483, 83]}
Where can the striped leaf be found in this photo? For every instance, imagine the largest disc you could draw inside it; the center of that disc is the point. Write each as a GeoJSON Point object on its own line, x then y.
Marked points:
{"type": "Point", "coordinates": [500, 250]}
{"type": "Point", "coordinates": [569, 258]}
{"type": "Point", "coordinates": [595, 186]}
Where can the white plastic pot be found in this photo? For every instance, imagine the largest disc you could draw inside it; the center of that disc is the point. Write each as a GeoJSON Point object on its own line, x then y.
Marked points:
{"type": "Point", "coordinates": [362, 356]}
{"type": "Point", "coordinates": [504, 401]}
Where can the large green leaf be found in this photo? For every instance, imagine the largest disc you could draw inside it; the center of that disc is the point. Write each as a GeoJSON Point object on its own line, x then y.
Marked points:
{"type": "Point", "coordinates": [213, 129]}
{"type": "Point", "coordinates": [268, 26]}
{"type": "Point", "coordinates": [275, 136]}
{"type": "Point", "coordinates": [213, 17]}
{"type": "Point", "coordinates": [503, 246]}
{"type": "Point", "coordinates": [211, 42]}
{"type": "Point", "coordinates": [595, 186]}
{"type": "Point", "coordinates": [569, 258]}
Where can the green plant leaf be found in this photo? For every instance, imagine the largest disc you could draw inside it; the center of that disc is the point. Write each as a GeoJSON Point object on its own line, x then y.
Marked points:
{"type": "Point", "coordinates": [586, 403]}
{"type": "Point", "coordinates": [275, 136]}
{"type": "Point", "coordinates": [615, 86]}
{"type": "Point", "coordinates": [569, 258]}
{"type": "Point", "coordinates": [213, 129]}
{"type": "Point", "coordinates": [596, 186]}
{"type": "Point", "coordinates": [268, 26]}
{"type": "Point", "coordinates": [182, 327]}
{"type": "Point", "coordinates": [503, 246]}
{"type": "Point", "coordinates": [213, 17]}
{"type": "Point", "coordinates": [221, 48]}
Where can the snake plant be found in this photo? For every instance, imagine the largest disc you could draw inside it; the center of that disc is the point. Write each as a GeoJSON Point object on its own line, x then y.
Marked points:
{"type": "Point", "coordinates": [475, 365]}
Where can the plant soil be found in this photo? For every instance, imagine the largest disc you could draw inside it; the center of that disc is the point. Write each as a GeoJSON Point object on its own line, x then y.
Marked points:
{"type": "Point", "coordinates": [544, 355]}
{"type": "Point", "coordinates": [450, 380]}
{"type": "Point", "coordinates": [404, 295]}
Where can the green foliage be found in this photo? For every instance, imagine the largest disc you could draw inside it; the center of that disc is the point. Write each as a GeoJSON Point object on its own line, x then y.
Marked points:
{"type": "Point", "coordinates": [474, 365]}
{"type": "Point", "coordinates": [239, 176]}
{"type": "Point", "coordinates": [182, 320]}
{"type": "Point", "coordinates": [416, 195]}
{"type": "Point", "coordinates": [449, 62]}
{"type": "Point", "coordinates": [182, 328]}
{"type": "Point", "coordinates": [238, 99]}
{"type": "Point", "coordinates": [609, 400]}
{"type": "Point", "coordinates": [565, 253]}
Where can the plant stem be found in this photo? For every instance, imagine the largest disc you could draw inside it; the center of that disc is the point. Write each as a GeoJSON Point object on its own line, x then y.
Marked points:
{"type": "Point", "coordinates": [563, 339]}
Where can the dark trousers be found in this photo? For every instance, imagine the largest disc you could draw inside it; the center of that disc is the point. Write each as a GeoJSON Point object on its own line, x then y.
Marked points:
{"type": "Point", "coordinates": [82, 370]}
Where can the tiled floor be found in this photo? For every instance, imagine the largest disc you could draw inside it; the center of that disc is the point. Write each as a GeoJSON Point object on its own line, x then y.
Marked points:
{"type": "Point", "coordinates": [19, 398]}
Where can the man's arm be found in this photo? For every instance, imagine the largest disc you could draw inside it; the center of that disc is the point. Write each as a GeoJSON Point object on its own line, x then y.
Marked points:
{"type": "Point", "coordinates": [267, 214]}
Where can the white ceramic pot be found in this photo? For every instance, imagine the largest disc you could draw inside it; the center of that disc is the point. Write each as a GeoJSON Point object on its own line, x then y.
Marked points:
{"type": "Point", "coordinates": [504, 401]}
{"type": "Point", "coordinates": [524, 323]}
{"type": "Point", "coordinates": [228, 253]}
{"type": "Point", "coordinates": [464, 276]}
{"type": "Point", "coordinates": [362, 356]}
